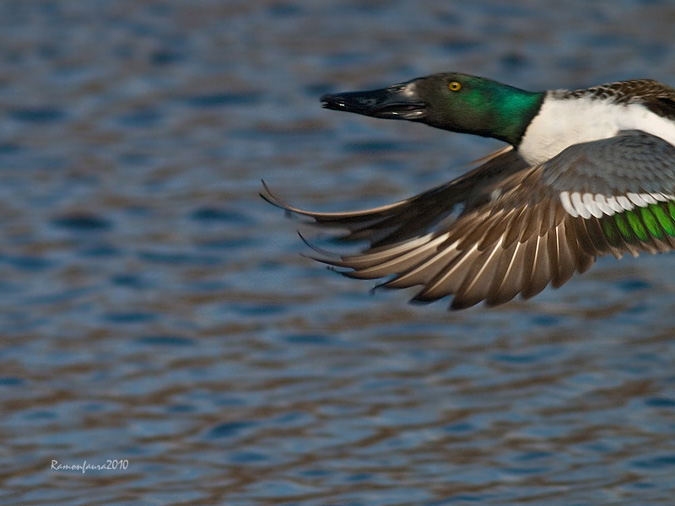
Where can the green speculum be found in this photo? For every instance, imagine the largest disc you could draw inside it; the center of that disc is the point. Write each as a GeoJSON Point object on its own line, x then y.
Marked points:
{"type": "Point", "coordinates": [654, 220]}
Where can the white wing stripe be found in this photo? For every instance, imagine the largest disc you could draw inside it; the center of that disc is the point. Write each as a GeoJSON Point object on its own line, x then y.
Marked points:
{"type": "Point", "coordinates": [603, 205]}
{"type": "Point", "coordinates": [624, 203]}
{"type": "Point", "coordinates": [579, 205]}
{"type": "Point", "coordinates": [636, 199]}
{"type": "Point", "coordinates": [589, 204]}
{"type": "Point", "coordinates": [567, 205]}
{"type": "Point", "coordinates": [614, 205]}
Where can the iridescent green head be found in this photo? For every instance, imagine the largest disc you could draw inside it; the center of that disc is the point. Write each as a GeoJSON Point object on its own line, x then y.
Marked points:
{"type": "Point", "coordinates": [451, 101]}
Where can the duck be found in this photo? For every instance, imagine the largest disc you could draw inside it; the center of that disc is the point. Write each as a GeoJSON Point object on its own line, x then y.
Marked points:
{"type": "Point", "coordinates": [584, 173]}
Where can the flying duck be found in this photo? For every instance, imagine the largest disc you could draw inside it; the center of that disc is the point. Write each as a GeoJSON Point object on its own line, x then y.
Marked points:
{"type": "Point", "coordinates": [586, 173]}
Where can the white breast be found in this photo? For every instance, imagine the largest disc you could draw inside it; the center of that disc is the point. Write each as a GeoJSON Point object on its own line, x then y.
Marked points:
{"type": "Point", "coordinates": [563, 122]}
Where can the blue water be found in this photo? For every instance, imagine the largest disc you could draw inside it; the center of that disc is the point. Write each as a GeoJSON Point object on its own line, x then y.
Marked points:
{"type": "Point", "coordinates": [155, 311]}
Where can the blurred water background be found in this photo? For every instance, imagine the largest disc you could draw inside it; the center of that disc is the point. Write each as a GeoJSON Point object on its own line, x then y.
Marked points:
{"type": "Point", "coordinates": [155, 312]}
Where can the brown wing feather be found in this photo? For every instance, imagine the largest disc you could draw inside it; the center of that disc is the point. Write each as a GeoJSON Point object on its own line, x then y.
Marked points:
{"type": "Point", "coordinates": [403, 220]}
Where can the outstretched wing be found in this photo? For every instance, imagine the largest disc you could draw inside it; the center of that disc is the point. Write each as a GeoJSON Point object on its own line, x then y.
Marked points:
{"type": "Point", "coordinates": [531, 227]}
{"type": "Point", "coordinates": [407, 219]}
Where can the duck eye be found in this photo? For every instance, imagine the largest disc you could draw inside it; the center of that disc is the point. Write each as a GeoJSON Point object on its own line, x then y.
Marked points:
{"type": "Point", "coordinates": [455, 86]}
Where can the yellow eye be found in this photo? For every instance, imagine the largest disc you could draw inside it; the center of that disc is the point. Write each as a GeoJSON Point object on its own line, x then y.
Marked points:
{"type": "Point", "coordinates": [455, 86]}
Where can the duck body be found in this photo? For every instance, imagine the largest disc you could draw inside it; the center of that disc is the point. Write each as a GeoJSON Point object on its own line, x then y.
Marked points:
{"type": "Point", "coordinates": [588, 172]}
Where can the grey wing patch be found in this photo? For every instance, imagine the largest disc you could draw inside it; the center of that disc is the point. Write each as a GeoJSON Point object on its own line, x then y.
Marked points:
{"type": "Point", "coordinates": [609, 176]}
{"type": "Point", "coordinates": [620, 190]}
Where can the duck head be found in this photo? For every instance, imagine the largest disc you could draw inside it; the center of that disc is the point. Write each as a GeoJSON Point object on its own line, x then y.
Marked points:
{"type": "Point", "coordinates": [450, 101]}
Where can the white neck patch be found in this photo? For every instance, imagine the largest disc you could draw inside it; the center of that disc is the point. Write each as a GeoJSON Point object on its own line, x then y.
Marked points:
{"type": "Point", "coordinates": [564, 122]}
